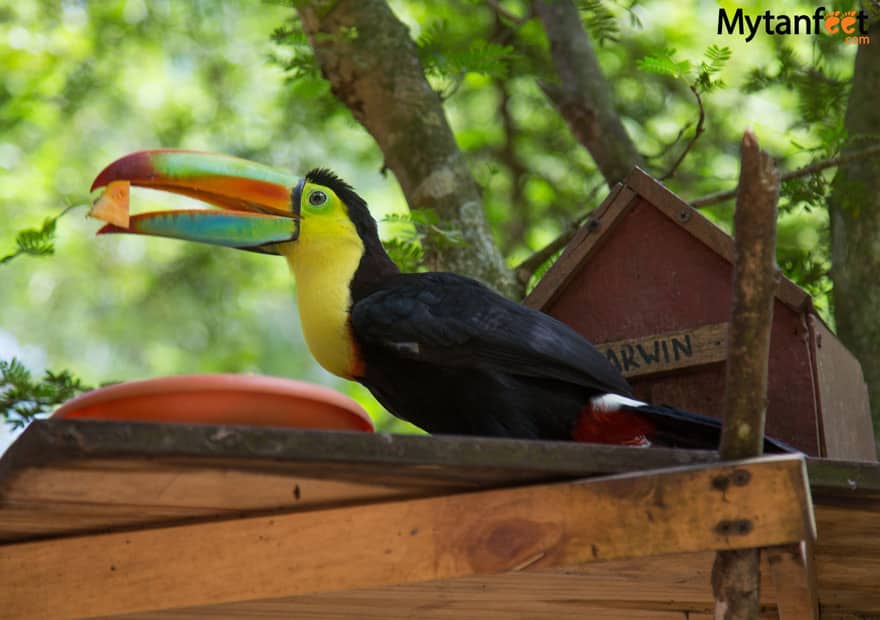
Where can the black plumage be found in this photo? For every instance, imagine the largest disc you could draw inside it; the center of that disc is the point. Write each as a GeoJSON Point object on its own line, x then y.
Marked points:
{"type": "Point", "coordinates": [450, 355]}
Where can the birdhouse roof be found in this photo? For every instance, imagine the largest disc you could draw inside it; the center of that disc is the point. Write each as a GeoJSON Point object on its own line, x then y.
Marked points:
{"type": "Point", "coordinates": [637, 187]}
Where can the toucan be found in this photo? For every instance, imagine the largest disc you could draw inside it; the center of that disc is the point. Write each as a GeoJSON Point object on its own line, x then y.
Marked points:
{"type": "Point", "coordinates": [440, 350]}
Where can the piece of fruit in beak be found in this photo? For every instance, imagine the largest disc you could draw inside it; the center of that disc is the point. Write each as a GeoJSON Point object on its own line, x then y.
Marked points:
{"type": "Point", "coordinates": [112, 205]}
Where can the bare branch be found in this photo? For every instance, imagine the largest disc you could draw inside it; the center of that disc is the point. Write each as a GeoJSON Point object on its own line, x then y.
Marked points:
{"type": "Point", "coordinates": [697, 133]}
{"type": "Point", "coordinates": [527, 268]}
{"type": "Point", "coordinates": [831, 162]}
{"type": "Point", "coordinates": [581, 93]}
{"type": "Point", "coordinates": [736, 574]}
{"type": "Point", "coordinates": [668, 147]}
{"type": "Point", "coordinates": [508, 156]}
{"type": "Point", "coordinates": [495, 5]}
{"type": "Point", "coordinates": [754, 286]}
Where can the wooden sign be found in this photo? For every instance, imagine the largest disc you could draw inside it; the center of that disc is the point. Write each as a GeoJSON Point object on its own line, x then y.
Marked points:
{"type": "Point", "coordinates": [668, 351]}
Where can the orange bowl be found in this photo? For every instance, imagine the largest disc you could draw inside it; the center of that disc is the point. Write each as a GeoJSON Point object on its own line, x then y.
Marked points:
{"type": "Point", "coordinates": [221, 399]}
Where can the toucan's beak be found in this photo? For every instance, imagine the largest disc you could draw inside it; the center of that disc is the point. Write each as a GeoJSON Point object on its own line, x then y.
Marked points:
{"type": "Point", "coordinates": [259, 206]}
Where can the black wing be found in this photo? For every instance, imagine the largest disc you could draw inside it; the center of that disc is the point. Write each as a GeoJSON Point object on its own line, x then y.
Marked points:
{"type": "Point", "coordinates": [450, 320]}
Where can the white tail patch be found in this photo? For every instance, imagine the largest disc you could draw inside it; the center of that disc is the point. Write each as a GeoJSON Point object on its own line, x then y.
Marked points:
{"type": "Point", "coordinates": [608, 403]}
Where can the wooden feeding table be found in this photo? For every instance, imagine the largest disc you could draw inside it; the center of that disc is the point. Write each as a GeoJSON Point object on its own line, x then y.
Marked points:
{"type": "Point", "coordinates": [126, 520]}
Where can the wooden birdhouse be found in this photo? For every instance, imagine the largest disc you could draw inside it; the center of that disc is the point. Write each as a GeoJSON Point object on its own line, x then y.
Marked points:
{"type": "Point", "coordinates": [648, 279]}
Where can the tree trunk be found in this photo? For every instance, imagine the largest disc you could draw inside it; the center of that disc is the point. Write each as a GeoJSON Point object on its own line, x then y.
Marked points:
{"type": "Point", "coordinates": [855, 228]}
{"type": "Point", "coordinates": [582, 94]}
{"type": "Point", "coordinates": [370, 60]}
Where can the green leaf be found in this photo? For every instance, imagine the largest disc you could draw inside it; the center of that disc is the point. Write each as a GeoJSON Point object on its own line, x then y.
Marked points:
{"type": "Point", "coordinates": [36, 241]}
{"type": "Point", "coordinates": [442, 54]}
{"type": "Point", "coordinates": [664, 63]}
{"type": "Point", "coordinates": [599, 21]}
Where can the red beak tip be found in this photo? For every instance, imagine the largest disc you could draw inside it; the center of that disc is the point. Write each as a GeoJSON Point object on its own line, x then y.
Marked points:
{"type": "Point", "coordinates": [134, 166]}
{"type": "Point", "coordinates": [110, 229]}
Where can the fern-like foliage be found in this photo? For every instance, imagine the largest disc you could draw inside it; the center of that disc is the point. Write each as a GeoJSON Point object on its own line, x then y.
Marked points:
{"type": "Point", "coordinates": [299, 62]}
{"type": "Point", "coordinates": [664, 63]}
{"type": "Point", "coordinates": [602, 22]}
{"type": "Point", "coordinates": [599, 21]}
{"type": "Point", "coordinates": [715, 60]}
{"type": "Point", "coordinates": [23, 398]}
{"type": "Point", "coordinates": [36, 241]}
{"type": "Point", "coordinates": [442, 54]}
{"type": "Point", "coordinates": [405, 247]}
{"type": "Point", "coordinates": [702, 77]}
{"type": "Point", "coordinates": [407, 255]}
{"type": "Point", "coordinates": [822, 93]}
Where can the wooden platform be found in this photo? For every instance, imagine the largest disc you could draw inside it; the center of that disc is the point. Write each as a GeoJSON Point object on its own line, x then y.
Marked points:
{"type": "Point", "coordinates": [163, 521]}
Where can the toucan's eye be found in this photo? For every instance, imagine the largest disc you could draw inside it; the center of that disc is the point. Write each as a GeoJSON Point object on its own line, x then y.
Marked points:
{"type": "Point", "coordinates": [316, 199]}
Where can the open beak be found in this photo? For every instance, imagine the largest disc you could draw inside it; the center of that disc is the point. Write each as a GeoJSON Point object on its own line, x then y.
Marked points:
{"type": "Point", "coordinates": [257, 206]}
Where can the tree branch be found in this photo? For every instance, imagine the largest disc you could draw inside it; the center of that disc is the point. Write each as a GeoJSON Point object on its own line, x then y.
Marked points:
{"type": "Point", "coordinates": [582, 94]}
{"type": "Point", "coordinates": [507, 155]}
{"type": "Point", "coordinates": [736, 574]}
{"type": "Point", "coordinates": [372, 65]}
{"type": "Point", "coordinates": [527, 268]}
{"type": "Point", "coordinates": [697, 133]}
{"type": "Point", "coordinates": [500, 11]}
{"type": "Point", "coordinates": [831, 162]}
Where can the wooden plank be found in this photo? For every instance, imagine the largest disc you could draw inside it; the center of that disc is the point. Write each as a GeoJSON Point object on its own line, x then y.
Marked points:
{"type": "Point", "coordinates": [76, 464]}
{"type": "Point", "coordinates": [760, 502]}
{"type": "Point", "coordinates": [469, 462]}
{"type": "Point", "coordinates": [847, 556]}
{"type": "Point", "coordinates": [845, 414]}
{"type": "Point", "coordinates": [794, 578]}
{"type": "Point", "coordinates": [658, 353]}
{"type": "Point", "coordinates": [646, 587]}
{"type": "Point", "coordinates": [845, 484]}
{"type": "Point", "coordinates": [381, 607]}
{"type": "Point", "coordinates": [64, 477]}
{"type": "Point", "coordinates": [586, 241]}
{"type": "Point", "coordinates": [616, 588]}
{"type": "Point", "coordinates": [95, 495]}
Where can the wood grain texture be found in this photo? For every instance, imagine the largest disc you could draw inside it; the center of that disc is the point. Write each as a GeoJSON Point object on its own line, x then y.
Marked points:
{"type": "Point", "coordinates": [651, 588]}
{"type": "Point", "coordinates": [747, 504]}
{"type": "Point", "coordinates": [845, 414]}
{"type": "Point", "coordinates": [63, 477]}
{"type": "Point", "coordinates": [794, 577]}
{"type": "Point", "coordinates": [847, 496]}
{"type": "Point", "coordinates": [658, 353]}
{"type": "Point", "coordinates": [848, 587]}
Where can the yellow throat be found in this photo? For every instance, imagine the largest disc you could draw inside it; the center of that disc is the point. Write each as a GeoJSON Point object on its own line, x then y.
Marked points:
{"type": "Point", "coordinates": [323, 267]}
